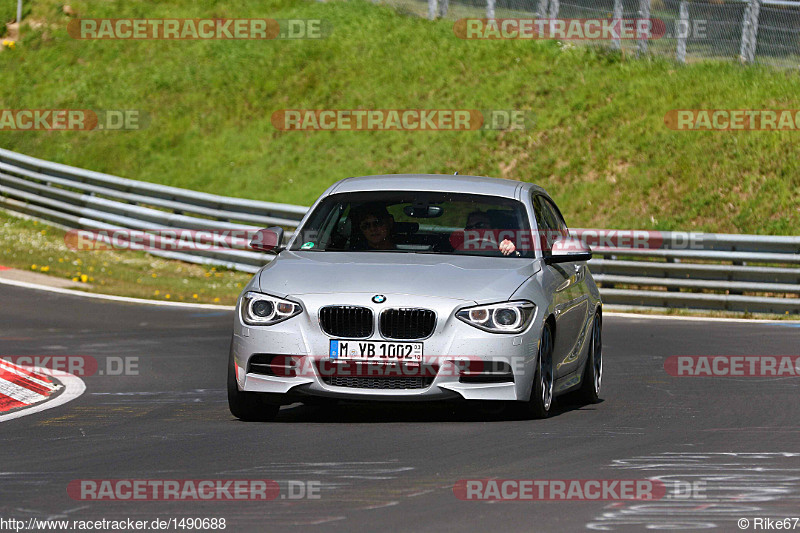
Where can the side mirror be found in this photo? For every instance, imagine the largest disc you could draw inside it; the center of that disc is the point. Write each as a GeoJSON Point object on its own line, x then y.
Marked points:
{"type": "Point", "coordinates": [268, 240]}
{"type": "Point", "coordinates": [568, 249]}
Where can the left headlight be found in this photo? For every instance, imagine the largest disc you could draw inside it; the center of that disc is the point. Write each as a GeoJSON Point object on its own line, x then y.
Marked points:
{"type": "Point", "coordinates": [506, 317]}
{"type": "Point", "coordinates": [265, 310]}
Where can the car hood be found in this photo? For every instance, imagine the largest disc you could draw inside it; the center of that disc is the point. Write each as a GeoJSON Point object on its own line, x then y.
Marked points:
{"type": "Point", "coordinates": [469, 278]}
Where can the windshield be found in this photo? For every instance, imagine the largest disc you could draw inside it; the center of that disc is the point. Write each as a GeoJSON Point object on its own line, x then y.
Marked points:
{"type": "Point", "coordinates": [417, 222]}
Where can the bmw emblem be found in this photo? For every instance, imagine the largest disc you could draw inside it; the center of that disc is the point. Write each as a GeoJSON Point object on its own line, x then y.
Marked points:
{"type": "Point", "coordinates": [379, 298]}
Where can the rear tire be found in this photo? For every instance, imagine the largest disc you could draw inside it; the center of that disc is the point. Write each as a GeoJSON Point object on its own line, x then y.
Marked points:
{"type": "Point", "coordinates": [541, 401]}
{"type": "Point", "coordinates": [593, 371]}
{"type": "Point", "coordinates": [248, 406]}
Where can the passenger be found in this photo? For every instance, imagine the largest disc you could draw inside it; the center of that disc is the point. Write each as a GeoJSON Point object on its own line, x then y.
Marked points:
{"type": "Point", "coordinates": [480, 220]}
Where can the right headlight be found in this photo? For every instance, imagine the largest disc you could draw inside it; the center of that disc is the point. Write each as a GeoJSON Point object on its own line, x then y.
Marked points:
{"type": "Point", "coordinates": [264, 310]}
{"type": "Point", "coordinates": [506, 317]}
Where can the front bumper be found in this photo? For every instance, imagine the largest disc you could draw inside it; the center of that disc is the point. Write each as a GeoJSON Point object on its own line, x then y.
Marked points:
{"type": "Point", "coordinates": [447, 351]}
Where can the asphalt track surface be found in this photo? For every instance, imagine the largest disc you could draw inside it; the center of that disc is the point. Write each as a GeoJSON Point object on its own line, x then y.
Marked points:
{"type": "Point", "coordinates": [393, 467]}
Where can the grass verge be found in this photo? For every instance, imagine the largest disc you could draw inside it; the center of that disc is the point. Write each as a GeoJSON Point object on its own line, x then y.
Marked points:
{"type": "Point", "coordinates": [599, 143]}
{"type": "Point", "coordinates": [30, 245]}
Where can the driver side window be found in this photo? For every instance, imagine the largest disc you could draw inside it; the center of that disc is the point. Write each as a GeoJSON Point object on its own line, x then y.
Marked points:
{"type": "Point", "coordinates": [548, 223]}
{"type": "Point", "coordinates": [558, 223]}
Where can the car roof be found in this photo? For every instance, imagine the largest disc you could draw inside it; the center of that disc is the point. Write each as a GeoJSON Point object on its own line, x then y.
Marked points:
{"type": "Point", "coordinates": [436, 183]}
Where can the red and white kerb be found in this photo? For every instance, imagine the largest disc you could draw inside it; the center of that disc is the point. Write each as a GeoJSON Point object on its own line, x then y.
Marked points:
{"type": "Point", "coordinates": [20, 387]}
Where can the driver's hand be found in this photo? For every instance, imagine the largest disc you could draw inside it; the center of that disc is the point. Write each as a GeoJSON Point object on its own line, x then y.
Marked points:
{"type": "Point", "coordinates": [507, 247]}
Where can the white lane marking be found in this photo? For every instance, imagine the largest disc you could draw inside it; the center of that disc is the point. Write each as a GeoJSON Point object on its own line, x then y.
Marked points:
{"type": "Point", "coordinates": [112, 298]}
{"type": "Point", "coordinates": [14, 369]}
{"type": "Point", "coordinates": [73, 388]}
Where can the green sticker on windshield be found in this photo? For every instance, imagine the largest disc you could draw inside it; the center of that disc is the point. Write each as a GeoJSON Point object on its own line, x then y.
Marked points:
{"type": "Point", "coordinates": [307, 246]}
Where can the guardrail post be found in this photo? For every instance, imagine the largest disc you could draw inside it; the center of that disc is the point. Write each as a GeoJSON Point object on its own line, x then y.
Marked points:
{"type": "Point", "coordinates": [682, 31]}
{"type": "Point", "coordinates": [432, 5]}
{"type": "Point", "coordinates": [554, 7]}
{"type": "Point", "coordinates": [541, 10]}
{"type": "Point", "coordinates": [552, 14]}
{"type": "Point", "coordinates": [745, 30]}
{"type": "Point", "coordinates": [616, 43]}
{"type": "Point", "coordinates": [644, 14]}
{"type": "Point", "coordinates": [490, 9]}
{"type": "Point", "coordinates": [747, 49]}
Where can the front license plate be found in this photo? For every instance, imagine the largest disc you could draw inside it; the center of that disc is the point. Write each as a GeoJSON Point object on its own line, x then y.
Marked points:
{"type": "Point", "coordinates": [376, 351]}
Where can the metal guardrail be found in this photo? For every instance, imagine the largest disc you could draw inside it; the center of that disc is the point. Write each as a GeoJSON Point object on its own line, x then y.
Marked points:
{"type": "Point", "coordinates": [83, 199]}
{"type": "Point", "coordinates": [715, 271]}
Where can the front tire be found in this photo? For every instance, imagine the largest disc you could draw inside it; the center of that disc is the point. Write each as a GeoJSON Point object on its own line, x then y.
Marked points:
{"type": "Point", "coordinates": [248, 406]}
{"type": "Point", "coordinates": [593, 371]}
{"type": "Point", "coordinates": [541, 400]}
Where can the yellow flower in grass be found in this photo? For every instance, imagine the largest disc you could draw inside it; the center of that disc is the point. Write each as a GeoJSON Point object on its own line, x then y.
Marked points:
{"type": "Point", "coordinates": [74, 279]}
{"type": "Point", "coordinates": [84, 278]}
{"type": "Point", "coordinates": [167, 296]}
{"type": "Point", "coordinates": [45, 268]}
{"type": "Point", "coordinates": [216, 300]}
{"type": "Point", "coordinates": [157, 293]}
{"type": "Point", "coordinates": [194, 296]}
{"type": "Point", "coordinates": [34, 267]}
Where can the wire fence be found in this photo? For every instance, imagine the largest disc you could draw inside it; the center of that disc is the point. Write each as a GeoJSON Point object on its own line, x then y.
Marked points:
{"type": "Point", "coordinates": [750, 31]}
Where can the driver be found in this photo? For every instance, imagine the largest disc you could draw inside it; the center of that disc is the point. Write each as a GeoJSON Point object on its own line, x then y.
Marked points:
{"type": "Point", "coordinates": [374, 225]}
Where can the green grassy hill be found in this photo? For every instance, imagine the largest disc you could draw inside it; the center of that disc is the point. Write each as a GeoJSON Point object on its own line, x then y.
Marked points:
{"type": "Point", "coordinates": [599, 144]}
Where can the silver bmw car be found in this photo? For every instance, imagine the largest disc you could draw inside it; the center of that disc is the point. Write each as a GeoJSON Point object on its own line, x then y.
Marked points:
{"type": "Point", "coordinates": [419, 287]}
